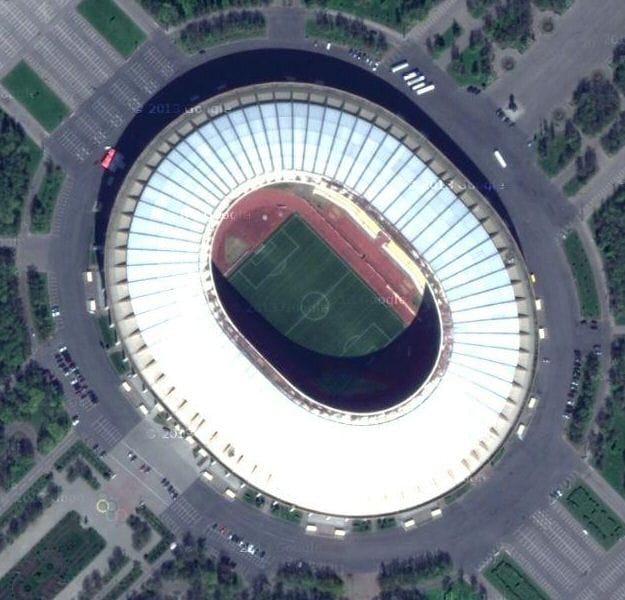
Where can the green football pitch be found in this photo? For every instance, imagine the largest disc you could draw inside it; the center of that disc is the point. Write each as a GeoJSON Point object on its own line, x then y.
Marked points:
{"type": "Point", "coordinates": [309, 294]}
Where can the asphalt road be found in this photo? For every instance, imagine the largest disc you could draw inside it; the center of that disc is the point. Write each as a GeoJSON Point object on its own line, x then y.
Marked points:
{"type": "Point", "coordinates": [471, 527]}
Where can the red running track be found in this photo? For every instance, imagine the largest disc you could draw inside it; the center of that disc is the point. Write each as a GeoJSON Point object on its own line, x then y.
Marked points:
{"type": "Point", "coordinates": [256, 216]}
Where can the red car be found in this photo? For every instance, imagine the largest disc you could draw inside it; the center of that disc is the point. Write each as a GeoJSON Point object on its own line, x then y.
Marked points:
{"type": "Point", "coordinates": [108, 157]}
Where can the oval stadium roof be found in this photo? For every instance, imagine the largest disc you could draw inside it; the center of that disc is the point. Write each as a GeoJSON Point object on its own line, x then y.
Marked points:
{"type": "Point", "coordinates": [156, 260]}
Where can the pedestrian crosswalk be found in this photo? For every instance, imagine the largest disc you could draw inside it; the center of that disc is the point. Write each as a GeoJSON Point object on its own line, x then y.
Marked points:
{"type": "Point", "coordinates": [107, 432]}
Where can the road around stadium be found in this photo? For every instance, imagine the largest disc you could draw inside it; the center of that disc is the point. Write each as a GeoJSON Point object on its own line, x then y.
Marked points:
{"type": "Point", "coordinates": [528, 471]}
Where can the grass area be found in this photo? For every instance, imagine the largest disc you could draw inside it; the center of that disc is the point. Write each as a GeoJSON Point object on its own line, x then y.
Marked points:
{"type": "Point", "coordinates": [583, 275]}
{"type": "Point", "coordinates": [167, 537]}
{"type": "Point", "coordinates": [42, 208]}
{"type": "Point", "coordinates": [459, 491]}
{"type": "Point", "coordinates": [36, 97]}
{"type": "Point", "coordinates": [107, 333]}
{"type": "Point", "coordinates": [30, 494]}
{"type": "Point", "coordinates": [40, 303]}
{"type": "Point", "coordinates": [473, 66]}
{"type": "Point", "coordinates": [19, 158]}
{"type": "Point", "coordinates": [614, 139]}
{"type": "Point", "coordinates": [596, 517]}
{"type": "Point", "coordinates": [16, 459]}
{"type": "Point", "coordinates": [574, 185]}
{"type": "Point", "coordinates": [233, 25]}
{"type": "Point", "coordinates": [34, 397]}
{"type": "Point", "coordinates": [407, 573]}
{"type": "Point", "coordinates": [113, 24]}
{"type": "Point", "coordinates": [585, 400]}
{"type": "Point", "coordinates": [398, 14]}
{"type": "Point", "coordinates": [348, 32]}
{"type": "Point", "coordinates": [309, 294]}
{"type": "Point", "coordinates": [510, 24]}
{"type": "Point", "coordinates": [14, 338]}
{"type": "Point", "coordinates": [477, 8]}
{"type": "Point", "coordinates": [556, 149]}
{"type": "Point", "coordinates": [254, 497]}
{"type": "Point", "coordinates": [458, 590]}
{"type": "Point", "coordinates": [27, 509]}
{"type": "Point", "coordinates": [54, 561]}
{"type": "Point", "coordinates": [558, 6]}
{"type": "Point", "coordinates": [361, 525]}
{"type": "Point", "coordinates": [386, 523]}
{"type": "Point", "coordinates": [607, 445]}
{"type": "Point", "coordinates": [608, 226]}
{"type": "Point", "coordinates": [80, 449]}
{"type": "Point", "coordinates": [284, 512]}
{"type": "Point", "coordinates": [120, 365]}
{"type": "Point", "coordinates": [509, 579]}
{"type": "Point", "coordinates": [79, 468]}
{"type": "Point", "coordinates": [301, 580]}
{"type": "Point", "coordinates": [125, 583]}
{"type": "Point", "coordinates": [597, 104]}
{"type": "Point", "coordinates": [585, 169]}
{"type": "Point", "coordinates": [440, 42]}
{"type": "Point", "coordinates": [175, 12]}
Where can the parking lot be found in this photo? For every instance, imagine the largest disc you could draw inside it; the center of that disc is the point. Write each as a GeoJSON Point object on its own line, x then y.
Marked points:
{"type": "Point", "coordinates": [103, 115]}
{"type": "Point", "coordinates": [566, 562]}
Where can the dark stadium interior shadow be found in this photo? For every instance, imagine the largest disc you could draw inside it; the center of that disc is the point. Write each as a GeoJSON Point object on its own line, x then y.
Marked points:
{"type": "Point", "coordinates": [267, 65]}
{"type": "Point", "coordinates": [368, 383]}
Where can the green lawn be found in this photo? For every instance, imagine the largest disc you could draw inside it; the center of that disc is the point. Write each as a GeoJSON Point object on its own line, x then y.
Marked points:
{"type": "Point", "coordinates": [608, 447]}
{"type": "Point", "coordinates": [474, 65]}
{"type": "Point", "coordinates": [595, 516]}
{"type": "Point", "coordinates": [399, 14]}
{"type": "Point", "coordinates": [19, 159]}
{"type": "Point", "coordinates": [442, 41]}
{"type": "Point", "coordinates": [509, 579]}
{"type": "Point", "coordinates": [459, 590]}
{"type": "Point", "coordinates": [612, 466]}
{"type": "Point", "coordinates": [80, 450]}
{"type": "Point", "coordinates": [36, 97]}
{"type": "Point", "coordinates": [284, 512]}
{"type": "Point", "coordinates": [309, 294]}
{"type": "Point", "coordinates": [222, 28]}
{"type": "Point", "coordinates": [42, 208]}
{"type": "Point", "coordinates": [39, 300]}
{"type": "Point", "coordinates": [117, 358]}
{"type": "Point", "coordinates": [583, 408]}
{"type": "Point", "coordinates": [583, 275]}
{"type": "Point", "coordinates": [54, 561]}
{"type": "Point", "coordinates": [113, 24]}
{"type": "Point", "coordinates": [107, 333]}
{"type": "Point", "coordinates": [557, 148]}
{"type": "Point", "coordinates": [368, 40]}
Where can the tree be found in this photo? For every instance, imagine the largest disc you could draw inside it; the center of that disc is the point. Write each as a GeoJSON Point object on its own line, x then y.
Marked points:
{"type": "Point", "coordinates": [596, 102]}
{"type": "Point", "coordinates": [168, 15]}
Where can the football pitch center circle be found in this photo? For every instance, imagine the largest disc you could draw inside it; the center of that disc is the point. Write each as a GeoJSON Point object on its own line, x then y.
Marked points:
{"type": "Point", "coordinates": [314, 306]}
{"type": "Point", "coordinates": [182, 343]}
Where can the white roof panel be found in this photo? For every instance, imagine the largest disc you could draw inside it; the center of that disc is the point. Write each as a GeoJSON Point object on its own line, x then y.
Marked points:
{"type": "Point", "coordinates": [209, 372]}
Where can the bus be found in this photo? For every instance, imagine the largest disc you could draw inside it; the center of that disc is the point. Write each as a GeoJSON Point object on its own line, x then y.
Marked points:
{"type": "Point", "coordinates": [400, 66]}
{"type": "Point", "coordinates": [500, 159]}
{"type": "Point", "coordinates": [411, 75]}
{"type": "Point", "coordinates": [426, 89]}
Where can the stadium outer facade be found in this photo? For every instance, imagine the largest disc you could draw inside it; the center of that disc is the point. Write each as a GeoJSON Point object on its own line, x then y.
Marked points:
{"type": "Point", "coordinates": [179, 340]}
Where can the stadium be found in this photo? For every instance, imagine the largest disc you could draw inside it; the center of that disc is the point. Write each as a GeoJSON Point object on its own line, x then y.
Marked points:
{"type": "Point", "coordinates": [321, 299]}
